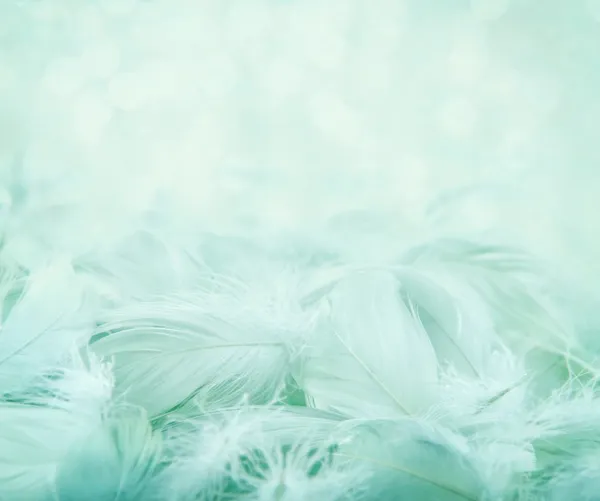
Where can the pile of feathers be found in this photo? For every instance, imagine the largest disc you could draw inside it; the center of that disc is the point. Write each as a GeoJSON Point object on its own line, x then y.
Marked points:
{"type": "Point", "coordinates": [275, 369]}
{"type": "Point", "coordinates": [212, 285]}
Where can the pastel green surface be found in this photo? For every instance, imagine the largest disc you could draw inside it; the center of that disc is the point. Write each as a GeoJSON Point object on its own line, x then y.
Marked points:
{"type": "Point", "coordinates": [299, 250]}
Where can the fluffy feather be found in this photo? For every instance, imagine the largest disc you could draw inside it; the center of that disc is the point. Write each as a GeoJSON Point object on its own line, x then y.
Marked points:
{"type": "Point", "coordinates": [292, 454]}
{"type": "Point", "coordinates": [244, 453]}
{"type": "Point", "coordinates": [369, 347]}
{"type": "Point", "coordinates": [117, 460]}
{"type": "Point", "coordinates": [212, 347]}
{"type": "Point", "coordinates": [38, 426]}
{"type": "Point", "coordinates": [515, 294]}
{"type": "Point", "coordinates": [416, 460]}
{"type": "Point", "coordinates": [261, 251]}
{"type": "Point", "coordinates": [46, 322]}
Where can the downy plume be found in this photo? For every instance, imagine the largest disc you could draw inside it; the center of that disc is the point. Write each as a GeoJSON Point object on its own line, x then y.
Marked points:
{"type": "Point", "coordinates": [39, 425]}
{"type": "Point", "coordinates": [369, 348]}
{"type": "Point", "coordinates": [208, 347]}
{"type": "Point", "coordinates": [253, 453]}
{"type": "Point", "coordinates": [45, 317]}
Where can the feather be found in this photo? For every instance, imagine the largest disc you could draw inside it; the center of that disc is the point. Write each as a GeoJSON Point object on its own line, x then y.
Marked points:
{"type": "Point", "coordinates": [37, 429]}
{"type": "Point", "coordinates": [476, 368]}
{"type": "Point", "coordinates": [543, 446]}
{"type": "Point", "coordinates": [576, 475]}
{"type": "Point", "coordinates": [116, 461]}
{"type": "Point", "coordinates": [295, 454]}
{"type": "Point", "coordinates": [509, 282]}
{"type": "Point", "coordinates": [210, 347]}
{"type": "Point", "coordinates": [515, 291]}
{"type": "Point", "coordinates": [463, 338]}
{"type": "Point", "coordinates": [414, 460]}
{"type": "Point", "coordinates": [370, 358]}
{"type": "Point", "coordinates": [249, 453]}
{"type": "Point", "coordinates": [47, 321]}
{"type": "Point", "coordinates": [564, 425]}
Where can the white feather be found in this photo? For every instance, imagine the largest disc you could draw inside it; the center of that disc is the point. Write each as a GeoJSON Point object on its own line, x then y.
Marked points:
{"type": "Point", "coordinates": [413, 460]}
{"type": "Point", "coordinates": [241, 451]}
{"type": "Point", "coordinates": [211, 347]}
{"type": "Point", "coordinates": [476, 368]}
{"type": "Point", "coordinates": [516, 293]}
{"type": "Point", "coordinates": [370, 357]}
{"type": "Point", "coordinates": [116, 461]}
{"type": "Point", "coordinates": [38, 428]}
{"type": "Point", "coordinates": [48, 320]}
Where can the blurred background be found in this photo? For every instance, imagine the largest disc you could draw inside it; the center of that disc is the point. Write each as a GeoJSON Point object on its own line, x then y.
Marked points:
{"type": "Point", "coordinates": [351, 118]}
